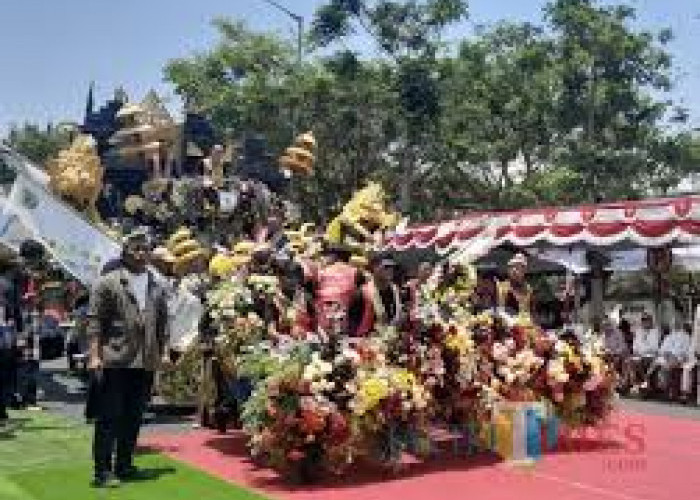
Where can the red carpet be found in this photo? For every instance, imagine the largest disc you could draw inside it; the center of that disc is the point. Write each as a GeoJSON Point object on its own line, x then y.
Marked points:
{"type": "Point", "coordinates": [637, 457]}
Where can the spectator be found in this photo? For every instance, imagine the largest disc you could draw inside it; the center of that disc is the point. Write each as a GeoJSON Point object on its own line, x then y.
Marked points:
{"type": "Point", "coordinates": [384, 291]}
{"type": "Point", "coordinates": [672, 354]}
{"type": "Point", "coordinates": [127, 324]}
{"type": "Point", "coordinates": [689, 370]}
{"type": "Point", "coordinates": [6, 363]}
{"type": "Point", "coordinates": [627, 333]}
{"type": "Point", "coordinates": [618, 352]}
{"type": "Point", "coordinates": [644, 350]}
{"type": "Point", "coordinates": [614, 341]}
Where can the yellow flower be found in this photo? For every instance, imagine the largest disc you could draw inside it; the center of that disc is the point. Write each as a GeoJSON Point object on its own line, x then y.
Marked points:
{"type": "Point", "coordinates": [374, 390]}
{"type": "Point", "coordinates": [402, 379]}
{"type": "Point", "coordinates": [460, 341]}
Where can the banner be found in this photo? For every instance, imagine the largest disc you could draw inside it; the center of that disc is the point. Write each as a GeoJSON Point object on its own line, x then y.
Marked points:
{"type": "Point", "coordinates": [78, 246]}
{"type": "Point", "coordinates": [12, 230]}
{"type": "Point", "coordinates": [185, 312]}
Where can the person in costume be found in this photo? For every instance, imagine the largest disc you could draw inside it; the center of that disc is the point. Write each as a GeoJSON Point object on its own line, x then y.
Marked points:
{"type": "Point", "coordinates": [514, 295]}
{"type": "Point", "coordinates": [338, 296]}
{"type": "Point", "coordinates": [383, 292]}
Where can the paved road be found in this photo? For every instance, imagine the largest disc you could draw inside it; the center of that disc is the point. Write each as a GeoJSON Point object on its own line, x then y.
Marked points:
{"type": "Point", "coordinates": [65, 394]}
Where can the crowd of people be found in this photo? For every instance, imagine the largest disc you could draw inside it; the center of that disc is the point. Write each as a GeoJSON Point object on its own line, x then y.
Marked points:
{"type": "Point", "coordinates": [652, 361]}
{"type": "Point", "coordinates": [36, 298]}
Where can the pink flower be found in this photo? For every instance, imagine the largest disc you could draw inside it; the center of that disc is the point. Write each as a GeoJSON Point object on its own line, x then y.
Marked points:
{"type": "Point", "coordinates": [295, 455]}
{"type": "Point", "coordinates": [592, 383]}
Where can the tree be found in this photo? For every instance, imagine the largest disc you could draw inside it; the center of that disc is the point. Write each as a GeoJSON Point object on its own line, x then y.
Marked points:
{"type": "Point", "coordinates": [562, 111]}
{"type": "Point", "coordinates": [608, 117]}
{"type": "Point", "coordinates": [244, 84]}
{"type": "Point", "coordinates": [573, 103]}
{"type": "Point", "coordinates": [498, 108]}
{"type": "Point", "coordinates": [39, 144]}
{"type": "Point", "coordinates": [409, 34]}
{"type": "Point", "coordinates": [351, 108]}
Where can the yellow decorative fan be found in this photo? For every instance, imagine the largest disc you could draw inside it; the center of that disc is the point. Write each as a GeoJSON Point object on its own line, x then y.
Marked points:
{"type": "Point", "coordinates": [299, 158]}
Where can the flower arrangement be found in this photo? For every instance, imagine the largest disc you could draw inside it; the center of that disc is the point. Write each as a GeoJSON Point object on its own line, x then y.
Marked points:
{"type": "Point", "coordinates": [576, 380]}
{"type": "Point", "coordinates": [327, 408]}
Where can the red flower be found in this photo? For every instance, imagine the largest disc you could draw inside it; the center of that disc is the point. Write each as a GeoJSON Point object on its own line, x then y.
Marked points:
{"type": "Point", "coordinates": [304, 387]}
{"type": "Point", "coordinates": [366, 353]}
{"type": "Point", "coordinates": [295, 455]}
{"type": "Point", "coordinates": [542, 345]}
{"type": "Point", "coordinates": [520, 336]}
{"type": "Point", "coordinates": [338, 428]}
{"type": "Point", "coordinates": [436, 333]}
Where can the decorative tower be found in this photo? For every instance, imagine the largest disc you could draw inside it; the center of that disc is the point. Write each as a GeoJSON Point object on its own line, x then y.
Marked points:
{"type": "Point", "coordinates": [147, 137]}
{"type": "Point", "coordinates": [90, 104]}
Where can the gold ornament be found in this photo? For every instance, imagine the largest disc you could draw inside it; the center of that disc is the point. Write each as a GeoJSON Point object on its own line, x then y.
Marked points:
{"type": "Point", "coordinates": [361, 218]}
{"type": "Point", "coordinates": [299, 158]}
{"type": "Point", "coordinates": [76, 176]}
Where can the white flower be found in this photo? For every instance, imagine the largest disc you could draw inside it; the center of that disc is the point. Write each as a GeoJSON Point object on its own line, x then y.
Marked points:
{"type": "Point", "coordinates": [499, 352]}
{"type": "Point", "coordinates": [507, 374]}
{"type": "Point", "coordinates": [560, 346]}
{"type": "Point", "coordinates": [557, 372]}
{"type": "Point", "coordinates": [349, 354]}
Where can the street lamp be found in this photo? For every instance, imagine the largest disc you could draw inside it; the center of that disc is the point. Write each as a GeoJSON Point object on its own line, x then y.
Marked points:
{"type": "Point", "coordinates": [300, 26]}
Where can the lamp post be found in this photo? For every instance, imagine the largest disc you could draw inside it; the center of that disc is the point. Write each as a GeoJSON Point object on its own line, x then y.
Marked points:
{"type": "Point", "coordinates": [300, 26]}
{"type": "Point", "coordinates": [296, 117]}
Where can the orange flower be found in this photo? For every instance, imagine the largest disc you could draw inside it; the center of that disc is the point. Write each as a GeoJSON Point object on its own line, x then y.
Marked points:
{"type": "Point", "coordinates": [311, 422]}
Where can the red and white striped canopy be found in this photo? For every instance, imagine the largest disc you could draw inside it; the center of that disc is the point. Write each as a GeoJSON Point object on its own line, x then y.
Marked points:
{"type": "Point", "coordinates": [646, 223]}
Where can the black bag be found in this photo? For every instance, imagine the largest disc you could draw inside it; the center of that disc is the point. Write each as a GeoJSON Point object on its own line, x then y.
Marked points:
{"type": "Point", "coordinates": [94, 395]}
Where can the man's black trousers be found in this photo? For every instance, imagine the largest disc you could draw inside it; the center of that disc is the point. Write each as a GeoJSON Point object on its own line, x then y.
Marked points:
{"type": "Point", "coordinates": [119, 397]}
{"type": "Point", "coordinates": [6, 376]}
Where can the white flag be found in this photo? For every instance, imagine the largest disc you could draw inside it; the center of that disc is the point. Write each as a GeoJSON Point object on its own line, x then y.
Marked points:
{"type": "Point", "coordinates": [77, 245]}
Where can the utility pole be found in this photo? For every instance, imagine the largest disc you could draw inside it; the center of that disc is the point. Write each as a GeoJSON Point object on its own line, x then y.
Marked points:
{"type": "Point", "coordinates": [300, 27]}
{"type": "Point", "coordinates": [590, 131]}
{"type": "Point", "coordinates": [299, 20]}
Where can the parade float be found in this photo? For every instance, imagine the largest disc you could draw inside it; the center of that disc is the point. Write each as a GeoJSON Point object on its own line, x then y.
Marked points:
{"type": "Point", "coordinates": [292, 341]}
{"type": "Point", "coordinates": [318, 390]}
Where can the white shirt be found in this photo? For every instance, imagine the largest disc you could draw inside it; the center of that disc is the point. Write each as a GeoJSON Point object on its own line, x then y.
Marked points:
{"type": "Point", "coordinates": [646, 343]}
{"type": "Point", "coordinates": [676, 343]}
{"type": "Point", "coordinates": [138, 285]}
{"type": "Point", "coordinates": [615, 342]}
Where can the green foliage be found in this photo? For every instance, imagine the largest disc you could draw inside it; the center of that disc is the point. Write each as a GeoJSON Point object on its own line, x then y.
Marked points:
{"type": "Point", "coordinates": [566, 110]}
{"type": "Point", "coordinates": [244, 83]}
{"type": "Point", "coordinates": [39, 144]}
{"type": "Point", "coordinates": [606, 109]}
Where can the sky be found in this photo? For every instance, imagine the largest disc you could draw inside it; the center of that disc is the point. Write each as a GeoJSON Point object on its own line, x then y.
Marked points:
{"type": "Point", "coordinates": [50, 50]}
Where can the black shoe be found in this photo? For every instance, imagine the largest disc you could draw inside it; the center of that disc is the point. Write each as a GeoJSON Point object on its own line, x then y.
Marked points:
{"type": "Point", "coordinates": [132, 473]}
{"type": "Point", "coordinates": [105, 481]}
